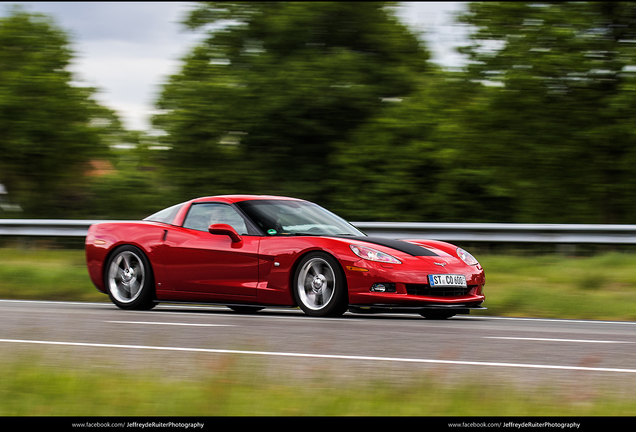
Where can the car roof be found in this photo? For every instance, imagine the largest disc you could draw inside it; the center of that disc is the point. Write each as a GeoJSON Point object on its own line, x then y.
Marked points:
{"type": "Point", "coordinates": [230, 199]}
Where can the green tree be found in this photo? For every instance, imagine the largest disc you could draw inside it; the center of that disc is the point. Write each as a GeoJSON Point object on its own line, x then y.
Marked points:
{"type": "Point", "coordinates": [558, 125]}
{"type": "Point", "coordinates": [260, 105]}
{"type": "Point", "coordinates": [132, 184]}
{"type": "Point", "coordinates": [415, 160]}
{"type": "Point", "coordinates": [49, 129]}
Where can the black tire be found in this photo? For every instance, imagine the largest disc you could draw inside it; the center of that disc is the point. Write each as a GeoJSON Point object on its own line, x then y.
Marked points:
{"type": "Point", "coordinates": [319, 286]}
{"type": "Point", "coordinates": [128, 279]}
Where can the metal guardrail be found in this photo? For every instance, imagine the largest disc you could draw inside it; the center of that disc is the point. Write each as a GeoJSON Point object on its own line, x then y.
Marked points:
{"type": "Point", "coordinates": [452, 232]}
{"type": "Point", "coordinates": [45, 227]}
{"type": "Point", "coordinates": [505, 233]}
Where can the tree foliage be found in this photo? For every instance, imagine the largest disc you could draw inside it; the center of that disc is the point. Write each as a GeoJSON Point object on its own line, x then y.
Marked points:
{"type": "Point", "coordinates": [414, 161]}
{"type": "Point", "coordinates": [559, 128]}
{"type": "Point", "coordinates": [49, 128]}
{"type": "Point", "coordinates": [338, 103]}
{"type": "Point", "coordinates": [260, 104]}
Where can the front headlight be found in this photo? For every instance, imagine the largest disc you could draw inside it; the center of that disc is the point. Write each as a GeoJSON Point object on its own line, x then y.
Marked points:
{"type": "Point", "coordinates": [466, 257]}
{"type": "Point", "coordinates": [370, 254]}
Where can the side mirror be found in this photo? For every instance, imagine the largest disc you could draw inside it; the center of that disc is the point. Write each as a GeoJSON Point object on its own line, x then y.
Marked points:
{"type": "Point", "coordinates": [225, 229]}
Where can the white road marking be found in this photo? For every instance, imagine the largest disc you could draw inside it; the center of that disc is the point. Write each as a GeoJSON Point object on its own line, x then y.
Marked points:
{"type": "Point", "coordinates": [558, 340]}
{"type": "Point", "coordinates": [558, 320]}
{"type": "Point", "coordinates": [169, 323]}
{"type": "Point", "coordinates": [325, 356]}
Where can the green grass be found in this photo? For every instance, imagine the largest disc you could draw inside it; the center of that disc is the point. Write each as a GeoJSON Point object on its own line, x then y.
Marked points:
{"type": "Point", "coordinates": [36, 274]}
{"type": "Point", "coordinates": [601, 287]}
{"type": "Point", "coordinates": [549, 286]}
{"type": "Point", "coordinates": [30, 390]}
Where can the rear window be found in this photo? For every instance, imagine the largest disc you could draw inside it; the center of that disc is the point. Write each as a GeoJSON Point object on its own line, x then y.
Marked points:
{"type": "Point", "coordinates": [165, 215]}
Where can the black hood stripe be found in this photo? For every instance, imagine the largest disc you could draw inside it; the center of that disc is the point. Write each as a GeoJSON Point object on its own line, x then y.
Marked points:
{"type": "Point", "coordinates": [402, 246]}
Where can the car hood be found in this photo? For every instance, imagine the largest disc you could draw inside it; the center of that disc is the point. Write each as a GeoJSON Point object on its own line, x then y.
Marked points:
{"type": "Point", "coordinates": [402, 246]}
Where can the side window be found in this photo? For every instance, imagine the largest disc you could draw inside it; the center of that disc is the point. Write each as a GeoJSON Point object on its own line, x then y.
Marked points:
{"type": "Point", "coordinates": [201, 216]}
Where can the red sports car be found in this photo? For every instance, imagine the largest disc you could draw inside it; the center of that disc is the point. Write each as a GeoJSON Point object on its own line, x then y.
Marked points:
{"type": "Point", "coordinates": [250, 252]}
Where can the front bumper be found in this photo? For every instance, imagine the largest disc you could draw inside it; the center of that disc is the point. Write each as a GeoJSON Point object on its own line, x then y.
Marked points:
{"type": "Point", "coordinates": [409, 286]}
{"type": "Point", "coordinates": [380, 308]}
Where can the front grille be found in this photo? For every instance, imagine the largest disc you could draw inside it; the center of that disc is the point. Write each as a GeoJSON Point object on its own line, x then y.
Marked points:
{"type": "Point", "coordinates": [426, 290]}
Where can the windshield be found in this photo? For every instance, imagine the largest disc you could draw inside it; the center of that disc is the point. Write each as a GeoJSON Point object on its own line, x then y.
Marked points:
{"type": "Point", "coordinates": [280, 217]}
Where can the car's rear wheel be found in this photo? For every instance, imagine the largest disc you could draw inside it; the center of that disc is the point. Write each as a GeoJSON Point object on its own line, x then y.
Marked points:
{"type": "Point", "coordinates": [319, 285]}
{"type": "Point", "coordinates": [129, 280]}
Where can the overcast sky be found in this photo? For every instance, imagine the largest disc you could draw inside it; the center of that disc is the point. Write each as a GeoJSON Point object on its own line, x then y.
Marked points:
{"type": "Point", "coordinates": [127, 49]}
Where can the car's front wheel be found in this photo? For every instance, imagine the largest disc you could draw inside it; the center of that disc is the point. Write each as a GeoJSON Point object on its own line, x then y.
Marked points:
{"type": "Point", "coordinates": [319, 285]}
{"type": "Point", "coordinates": [129, 280]}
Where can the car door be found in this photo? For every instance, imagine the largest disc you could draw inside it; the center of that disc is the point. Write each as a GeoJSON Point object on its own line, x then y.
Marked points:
{"type": "Point", "coordinates": [200, 262]}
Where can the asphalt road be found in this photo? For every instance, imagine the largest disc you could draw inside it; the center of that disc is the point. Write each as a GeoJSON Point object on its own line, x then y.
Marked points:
{"type": "Point", "coordinates": [190, 340]}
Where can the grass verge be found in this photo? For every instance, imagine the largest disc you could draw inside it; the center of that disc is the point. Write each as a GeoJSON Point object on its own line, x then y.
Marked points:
{"type": "Point", "coordinates": [600, 287]}
{"type": "Point", "coordinates": [30, 390]}
{"type": "Point", "coordinates": [37, 274]}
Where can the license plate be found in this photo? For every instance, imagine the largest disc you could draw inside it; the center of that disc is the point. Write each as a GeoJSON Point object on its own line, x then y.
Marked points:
{"type": "Point", "coordinates": [447, 280]}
